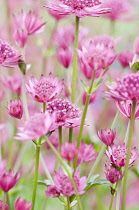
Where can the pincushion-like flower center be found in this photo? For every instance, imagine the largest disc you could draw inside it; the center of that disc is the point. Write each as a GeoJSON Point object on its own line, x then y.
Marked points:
{"type": "Point", "coordinates": [44, 89]}
{"type": "Point", "coordinates": [119, 154]}
{"type": "Point", "coordinates": [80, 4]}
{"type": "Point", "coordinates": [6, 51]}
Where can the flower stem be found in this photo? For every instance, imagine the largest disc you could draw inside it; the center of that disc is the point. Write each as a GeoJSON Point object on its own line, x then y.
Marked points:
{"type": "Point", "coordinates": [83, 117]}
{"type": "Point", "coordinates": [76, 193]}
{"type": "Point", "coordinates": [113, 191]}
{"type": "Point", "coordinates": [24, 97]}
{"type": "Point", "coordinates": [111, 203]}
{"type": "Point", "coordinates": [118, 195]}
{"type": "Point", "coordinates": [60, 137]}
{"type": "Point", "coordinates": [44, 107]}
{"type": "Point", "coordinates": [129, 144]}
{"type": "Point", "coordinates": [70, 134]}
{"type": "Point", "coordinates": [74, 73]}
{"type": "Point", "coordinates": [35, 176]}
{"type": "Point", "coordinates": [101, 153]}
{"type": "Point", "coordinates": [4, 201]}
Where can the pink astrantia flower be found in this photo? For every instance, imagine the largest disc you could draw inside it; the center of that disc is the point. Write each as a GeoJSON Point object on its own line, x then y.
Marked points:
{"type": "Point", "coordinates": [92, 98]}
{"type": "Point", "coordinates": [56, 14]}
{"type": "Point", "coordinates": [66, 114]}
{"type": "Point", "coordinates": [21, 204]}
{"type": "Point", "coordinates": [64, 184]}
{"type": "Point", "coordinates": [107, 136]}
{"type": "Point", "coordinates": [44, 90]}
{"type": "Point", "coordinates": [125, 107]}
{"type": "Point", "coordinates": [125, 58]}
{"type": "Point", "coordinates": [118, 8]}
{"type": "Point", "coordinates": [13, 83]}
{"type": "Point", "coordinates": [65, 56]}
{"type": "Point", "coordinates": [95, 58]}
{"type": "Point", "coordinates": [26, 24]}
{"type": "Point", "coordinates": [86, 153]}
{"type": "Point", "coordinates": [112, 174]}
{"type": "Point", "coordinates": [15, 108]}
{"type": "Point", "coordinates": [8, 180]}
{"type": "Point", "coordinates": [6, 206]}
{"type": "Point", "coordinates": [52, 191]}
{"type": "Point", "coordinates": [117, 155]}
{"type": "Point", "coordinates": [136, 46]}
{"type": "Point", "coordinates": [38, 125]}
{"type": "Point", "coordinates": [126, 88]}
{"type": "Point", "coordinates": [69, 151]}
{"type": "Point", "coordinates": [78, 7]}
{"type": "Point", "coordinates": [9, 56]}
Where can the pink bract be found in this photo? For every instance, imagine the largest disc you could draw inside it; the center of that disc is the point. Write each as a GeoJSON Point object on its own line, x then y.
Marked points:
{"type": "Point", "coordinates": [21, 204]}
{"type": "Point", "coordinates": [15, 108]}
{"type": "Point", "coordinates": [69, 151]}
{"type": "Point", "coordinates": [79, 8]}
{"type": "Point", "coordinates": [8, 180]}
{"type": "Point", "coordinates": [125, 89]}
{"type": "Point", "coordinates": [9, 57]}
{"type": "Point", "coordinates": [44, 90]}
{"type": "Point", "coordinates": [65, 56]}
{"type": "Point", "coordinates": [112, 174]}
{"type": "Point", "coordinates": [125, 58]}
{"type": "Point", "coordinates": [107, 136]}
{"type": "Point", "coordinates": [38, 125]}
{"type": "Point", "coordinates": [117, 155]}
{"type": "Point", "coordinates": [52, 191]}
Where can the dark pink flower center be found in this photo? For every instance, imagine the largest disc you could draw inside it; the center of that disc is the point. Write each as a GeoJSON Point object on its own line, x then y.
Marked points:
{"type": "Point", "coordinates": [44, 89]}
{"type": "Point", "coordinates": [80, 4]}
{"type": "Point", "coordinates": [6, 51]}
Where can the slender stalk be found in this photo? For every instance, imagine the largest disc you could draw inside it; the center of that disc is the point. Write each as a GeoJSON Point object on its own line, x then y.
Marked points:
{"type": "Point", "coordinates": [101, 153]}
{"type": "Point", "coordinates": [74, 73]}
{"type": "Point", "coordinates": [60, 137]}
{"type": "Point", "coordinates": [4, 201]}
{"type": "Point", "coordinates": [111, 203]}
{"type": "Point", "coordinates": [8, 201]}
{"type": "Point", "coordinates": [44, 107]}
{"type": "Point", "coordinates": [83, 117]}
{"type": "Point", "coordinates": [24, 97]}
{"type": "Point", "coordinates": [129, 144]}
{"type": "Point", "coordinates": [58, 156]}
{"type": "Point", "coordinates": [118, 195]}
{"type": "Point", "coordinates": [76, 193]}
{"type": "Point", "coordinates": [114, 187]}
{"type": "Point", "coordinates": [70, 134]}
{"type": "Point", "coordinates": [35, 176]}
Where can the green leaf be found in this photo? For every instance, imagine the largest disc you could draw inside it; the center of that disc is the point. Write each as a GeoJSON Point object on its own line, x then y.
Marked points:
{"type": "Point", "coordinates": [46, 182]}
{"type": "Point", "coordinates": [93, 178]}
{"type": "Point", "coordinates": [135, 171]}
{"type": "Point", "coordinates": [135, 67]}
{"type": "Point", "coordinates": [23, 67]}
{"type": "Point", "coordinates": [96, 85]}
{"type": "Point", "coordinates": [98, 182]}
{"type": "Point", "coordinates": [86, 87]}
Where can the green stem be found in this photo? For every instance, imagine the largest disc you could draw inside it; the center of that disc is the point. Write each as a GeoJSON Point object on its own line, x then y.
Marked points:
{"type": "Point", "coordinates": [24, 97]}
{"type": "Point", "coordinates": [113, 191]}
{"type": "Point", "coordinates": [70, 134]}
{"type": "Point", "coordinates": [129, 144]}
{"type": "Point", "coordinates": [118, 195]}
{"type": "Point", "coordinates": [44, 107]}
{"type": "Point", "coordinates": [35, 176]}
{"type": "Point", "coordinates": [74, 73]}
{"type": "Point", "coordinates": [83, 117]}
{"type": "Point", "coordinates": [111, 203]}
{"type": "Point", "coordinates": [76, 193]}
{"type": "Point", "coordinates": [60, 137]}
{"type": "Point", "coordinates": [4, 201]}
{"type": "Point", "coordinates": [8, 201]}
{"type": "Point", "coordinates": [58, 156]}
{"type": "Point", "coordinates": [101, 153]}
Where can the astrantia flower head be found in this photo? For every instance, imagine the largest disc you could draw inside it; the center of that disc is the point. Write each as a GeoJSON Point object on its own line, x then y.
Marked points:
{"type": "Point", "coordinates": [38, 125]}
{"type": "Point", "coordinates": [65, 56]}
{"type": "Point", "coordinates": [52, 191]}
{"type": "Point", "coordinates": [15, 108]}
{"type": "Point", "coordinates": [21, 204]}
{"type": "Point", "coordinates": [125, 107]}
{"type": "Point", "coordinates": [107, 136]}
{"type": "Point", "coordinates": [136, 46]}
{"type": "Point", "coordinates": [126, 88]}
{"type": "Point", "coordinates": [64, 184]}
{"type": "Point", "coordinates": [13, 83]}
{"type": "Point", "coordinates": [1, 205]}
{"type": "Point", "coordinates": [117, 155]}
{"type": "Point", "coordinates": [9, 56]}
{"type": "Point", "coordinates": [112, 174]}
{"type": "Point", "coordinates": [125, 58]}
{"type": "Point", "coordinates": [44, 90]}
{"type": "Point", "coordinates": [66, 113]}
{"type": "Point", "coordinates": [69, 151]}
{"type": "Point", "coordinates": [8, 180]}
{"type": "Point", "coordinates": [78, 7]}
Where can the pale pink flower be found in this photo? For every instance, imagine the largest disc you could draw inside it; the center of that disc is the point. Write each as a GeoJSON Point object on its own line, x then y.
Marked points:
{"type": "Point", "coordinates": [136, 46]}
{"type": "Point", "coordinates": [86, 153]}
{"type": "Point", "coordinates": [38, 125]}
{"type": "Point", "coordinates": [8, 180]}
{"type": "Point", "coordinates": [20, 37]}
{"type": "Point", "coordinates": [6, 206]}
{"type": "Point", "coordinates": [13, 83]}
{"type": "Point", "coordinates": [44, 90]}
{"type": "Point", "coordinates": [56, 14]}
{"type": "Point", "coordinates": [118, 8]}
{"type": "Point", "coordinates": [112, 174]}
{"type": "Point", "coordinates": [52, 191]}
{"type": "Point", "coordinates": [125, 107]}
{"type": "Point", "coordinates": [79, 8]}
{"type": "Point", "coordinates": [125, 58]}
{"type": "Point", "coordinates": [2, 93]}
{"type": "Point", "coordinates": [117, 155]}
{"type": "Point", "coordinates": [65, 56]}
{"type": "Point", "coordinates": [15, 108]}
{"type": "Point", "coordinates": [95, 58]}
{"type": "Point", "coordinates": [64, 185]}
{"type": "Point", "coordinates": [66, 114]}
{"type": "Point", "coordinates": [126, 88]}
{"type": "Point", "coordinates": [21, 204]}
{"type": "Point", "coordinates": [107, 136]}
{"type": "Point", "coordinates": [9, 57]}
{"type": "Point", "coordinates": [3, 133]}
{"type": "Point", "coordinates": [69, 151]}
